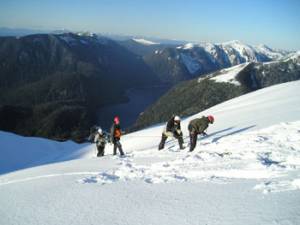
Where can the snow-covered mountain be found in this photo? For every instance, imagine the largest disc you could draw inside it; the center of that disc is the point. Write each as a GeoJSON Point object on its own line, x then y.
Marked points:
{"type": "Point", "coordinates": [235, 52]}
{"type": "Point", "coordinates": [246, 52]}
{"type": "Point", "coordinates": [191, 60]}
{"type": "Point", "coordinates": [246, 171]}
{"type": "Point", "coordinates": [293, 57]}
{"type": "Point", "coordinates": [262, 74]}
{"type": "Point", "coordinates": [273, 54]}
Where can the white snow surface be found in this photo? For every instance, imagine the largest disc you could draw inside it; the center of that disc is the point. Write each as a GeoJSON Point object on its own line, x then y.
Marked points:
{"type": "Point", "coordinates": [245, 51]}
{"type": "Point", "coordinates": [229, 75]}
{"type": "Point", "coordinates": [144, 41]}
{"type": "Point", "coordinates": [294, 57]}
{"type": "Point", "coordinates": [190, 63]}
{"type": "Point", "coordinates": [23, 152]}
{"type": "Point", "coordinates": [246, 171]}
{"type": "Point", "coordinates": [273, 54]}
{"type": "Point", "coordinates": [187, 46]}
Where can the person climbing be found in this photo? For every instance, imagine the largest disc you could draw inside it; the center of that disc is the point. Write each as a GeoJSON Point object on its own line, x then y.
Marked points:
{"type": "Point", "coordinates": [172, 129]}
{"type": "Point", "coordinates": [93, 132]}
{"type": "Point", "coordinates": [116, 133]}
{"type": "Point", "coordinates": [100, 140]}
{"type": "Point", "coordinates": [198, 126]}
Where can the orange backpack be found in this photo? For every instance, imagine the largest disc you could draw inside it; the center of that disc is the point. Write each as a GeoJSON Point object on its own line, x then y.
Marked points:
{"type": "Point", "coordinates": [117, 133]}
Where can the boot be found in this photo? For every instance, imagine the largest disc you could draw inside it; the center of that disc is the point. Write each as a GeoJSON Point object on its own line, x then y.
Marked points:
{"type": "Point", "coordinates": [121, 151]}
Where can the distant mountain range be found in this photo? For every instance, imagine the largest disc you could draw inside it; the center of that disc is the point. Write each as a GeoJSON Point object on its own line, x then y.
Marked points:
{"type": "Point", "coordinates": [51, 85]}
{"type": "Point", "coordinates": [198, 94]}
{"type": "Point", "coordinates": [174, 64]}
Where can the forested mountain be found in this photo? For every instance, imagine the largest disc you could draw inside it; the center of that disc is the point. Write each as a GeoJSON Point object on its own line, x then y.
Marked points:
{"type": "Point", "coordinates": [51, 84]}
{"type": "Point", "coordinates": [196, 95]}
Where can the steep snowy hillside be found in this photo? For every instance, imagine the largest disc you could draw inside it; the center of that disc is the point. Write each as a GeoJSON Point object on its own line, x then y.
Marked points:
{"type": "Point", "coordinates": [23, 152]}
{"type": "Point", "coordinates": [246, 171]}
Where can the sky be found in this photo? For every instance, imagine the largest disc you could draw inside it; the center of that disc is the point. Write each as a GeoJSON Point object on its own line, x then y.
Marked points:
{"type": "Point", "coordinates": [272, 22]}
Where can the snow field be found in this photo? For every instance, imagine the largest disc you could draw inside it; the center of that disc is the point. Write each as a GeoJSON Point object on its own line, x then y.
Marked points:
{"type": "Point", "coordinates": [230, 74]}
{"type": "Point", "coordinates": [269, 155]}
{"type": "Point", "coordinates": [246, 171]}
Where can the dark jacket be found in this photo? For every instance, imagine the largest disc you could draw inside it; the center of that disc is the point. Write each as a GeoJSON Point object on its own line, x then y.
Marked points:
{"type": "Point", "coordinates": [199, 125]}
{"type": "Point", "coordinates": [172, 126]}
{"type": "Point", "coordinates": [115, 132]}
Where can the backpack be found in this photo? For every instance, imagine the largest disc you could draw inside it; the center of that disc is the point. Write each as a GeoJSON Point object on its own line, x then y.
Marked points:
{"type": "Point", "coordinates": [93, 132]}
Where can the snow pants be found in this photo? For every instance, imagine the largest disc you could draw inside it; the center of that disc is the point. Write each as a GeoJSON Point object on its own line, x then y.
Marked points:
{"type": "Point", "coordinates": [193, 138]}
{"type": "Point", "coordinates": [164, 137]}
{"type": "Point", "coordinates": [117, 144]}
{"type": "Point", "coordinates": [100, 149]}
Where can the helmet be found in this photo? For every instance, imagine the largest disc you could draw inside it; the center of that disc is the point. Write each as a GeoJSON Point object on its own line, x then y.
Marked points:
{"type": "Point", "coordinates": [176, 118]}
{"type": "Point", "coordinates": [116, 120]}
{"type": "Point", "coordinates": [100, 130]}
{"type": "Point", "coordinates": [211, 119]}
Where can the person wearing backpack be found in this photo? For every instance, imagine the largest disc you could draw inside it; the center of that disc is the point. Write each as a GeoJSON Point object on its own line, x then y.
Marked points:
{"type": "Point", "coordinates": [100, 140]}
{"type": "Point", "coordinates": [198, 126]}
{"type": "Point", "coordinates": [115, 134]}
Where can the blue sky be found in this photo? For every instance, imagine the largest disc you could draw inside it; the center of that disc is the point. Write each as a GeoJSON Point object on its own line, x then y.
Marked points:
{"type": "Point", "coordinates": [272, 22]}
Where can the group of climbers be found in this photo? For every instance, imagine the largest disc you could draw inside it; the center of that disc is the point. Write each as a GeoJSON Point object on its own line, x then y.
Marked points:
{"type": "Point", "coordinates": [101, 138]}
{"type": "Point", "coordinates": [173, 129]}
{"type": "Point", "coordinates": [195, 127]}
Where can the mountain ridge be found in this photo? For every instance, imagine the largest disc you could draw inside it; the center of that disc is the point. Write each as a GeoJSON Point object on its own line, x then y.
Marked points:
{"type": "Point", "coordinates": [203, 92]}
{"type": "Point", "coordinates": [56, 75]}
{"type": "Point", "coordinates": [174, 64]}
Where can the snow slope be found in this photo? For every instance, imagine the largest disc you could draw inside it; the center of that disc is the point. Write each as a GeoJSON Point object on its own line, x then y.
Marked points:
{"type": "Point", "coordinates": [23, 152]}
{"type": "Point", "coordinates": [272, 54]}
{"type": "Point", "coordinates": [229, 75]}
{"type": "Point", "coordinates": [190, 63]}
{"type": "Point", "coordinates": [247, 52]}
{"type": "Point", "coordinates": [246, 171]}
